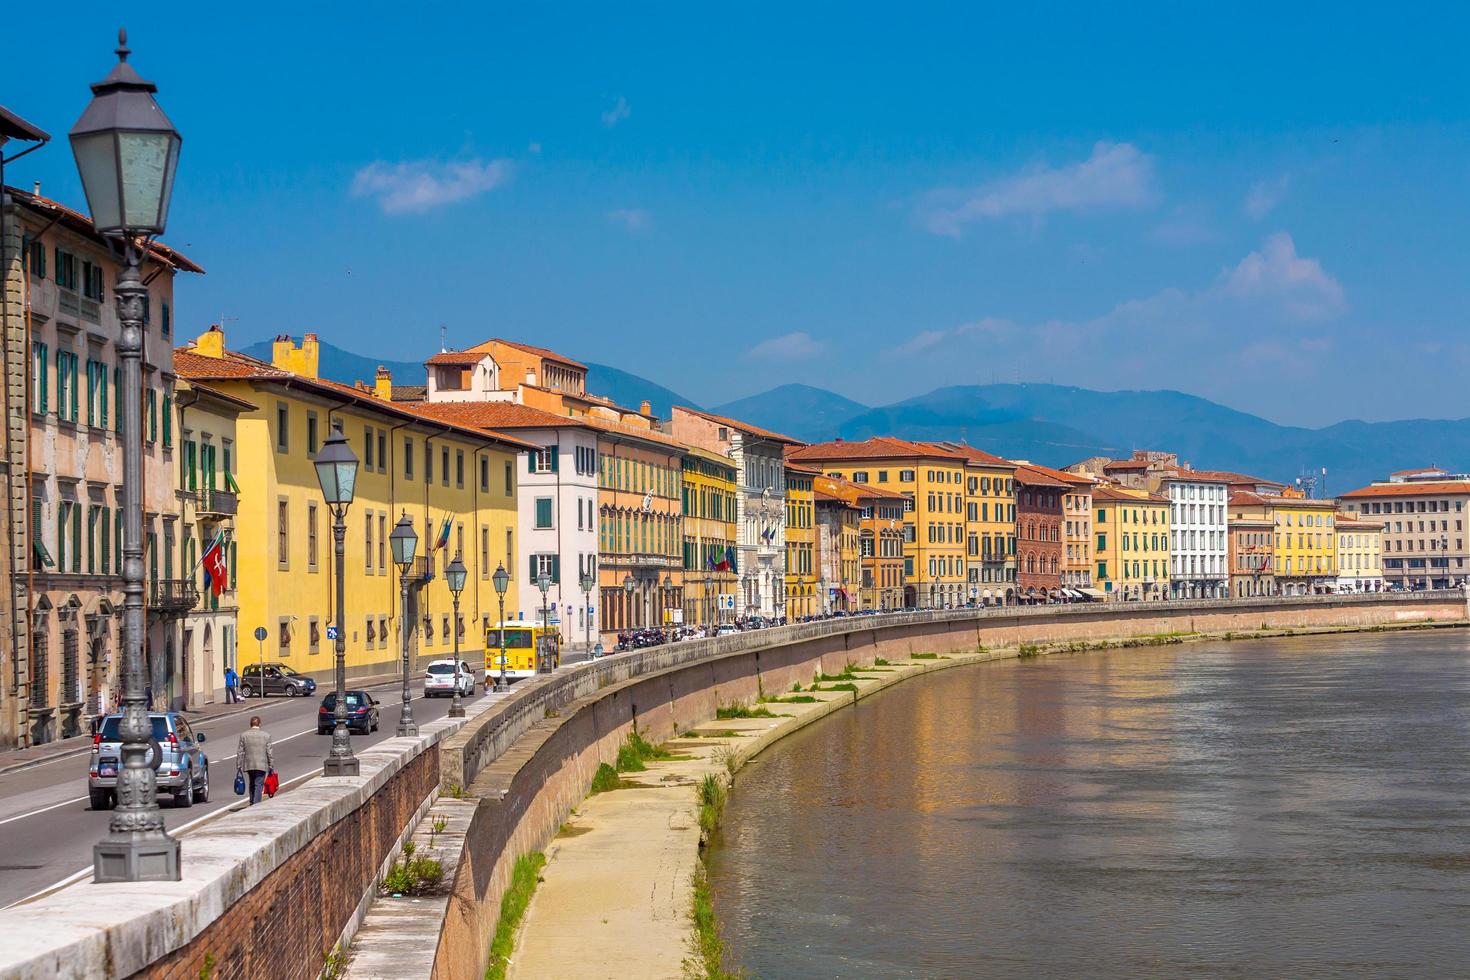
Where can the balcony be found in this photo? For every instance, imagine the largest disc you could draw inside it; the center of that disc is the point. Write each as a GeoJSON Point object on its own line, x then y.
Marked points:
{"type": "Point", "coordinates": [420, 571]}
{"type": "Point", "coordinates": [172, 596]}
{"type": "Point", "coordinates": [216, 505]}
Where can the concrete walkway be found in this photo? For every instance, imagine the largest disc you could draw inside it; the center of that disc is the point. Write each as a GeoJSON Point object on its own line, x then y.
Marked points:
{"type": "Point", "coordinates": [616, 891]}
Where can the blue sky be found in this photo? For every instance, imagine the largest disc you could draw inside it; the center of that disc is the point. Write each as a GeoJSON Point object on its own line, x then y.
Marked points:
{"type": "Point", "coordinates": [1263, 204]}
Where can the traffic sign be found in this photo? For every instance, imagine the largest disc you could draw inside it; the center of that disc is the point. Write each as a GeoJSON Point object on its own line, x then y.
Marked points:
{"type": "Point", "coordinates": [261, 634]}
{"type": "Point", "coordinates": [726, 602]}
{"type": "Point", "coordinates": [331, 632]}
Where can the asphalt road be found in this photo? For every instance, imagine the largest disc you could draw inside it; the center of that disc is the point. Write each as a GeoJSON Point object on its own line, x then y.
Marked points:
{"type": "Point", "coordinates": [47, 827]}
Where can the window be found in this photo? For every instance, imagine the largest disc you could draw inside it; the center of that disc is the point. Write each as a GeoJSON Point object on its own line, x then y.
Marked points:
{"type": "Point", "coordinates": [166, 325]}
{"type": "Point", "coordinates": [151, 401]}
{"type": "Point", "coordinates": [543, 460]}
{"type": "Point", "coordinates": [860, 476]}
{"type": "Point", "coordinates": [311, 554]}
{"type": "Point", "coordinates": [40, 396]}
{"type": "Point", "coordinates": [382, 451]}
{"type": "Point", "coordinates": [368, 443]}
{"type": "Point", "coordinates": [283, 533]}
{"type": "Point", "coordinates": [408, 457]}
{"type": "Point", "coordinates": [548, 565]}
{"type": "Point", "coordinates": [367, 548]}
{"type": "Point", "coordinates": [543, 512]}
{"type": "Point", "coordinates": [484, 474]}
{"type": "Point", "coordinates": [283, 426]}
{"type": "Point", "coordinates": [444, 466]}
{"type": "Point", "coordinates": [66, 270]}
{"type": "Point", "coordinates": [510, 479]}
{"type": "Point", "coordinates": [382, 544]}
{"type": "Point", "coordinates": [459, 469]}
{"type": "Point", "coordinates": [66, 385]}
{"type": "Point", "coordinates": [35, 250]}
{"type": "Point", "coordinates": [168, 422]}
{"type": "Point", "coordinates": [311, 435]}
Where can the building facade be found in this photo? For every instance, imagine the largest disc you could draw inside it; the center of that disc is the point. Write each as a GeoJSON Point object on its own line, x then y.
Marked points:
{"type": "Point", "coordinates": [932, 480]}
{"type": "Point", "coordinates": [64, 613]}
{"type": "Point", "coordinates": [1077, 541]}
{"type": "Point", "coordinates": [1305, 556]}
{"type": "Point", "coordinates": [1252, 555]}
{"type": "Point", "coordinates": [1423, 517]}
{"type": "Point", "coordinates": [802, 573]}
{"type": "Point", "coordinates": [710, 545]}
{"type": "Point", "coordinates": [1131, 546]}
{"type": "Point", "coordinates": [759, 456]}
{"type": "Point", "coordinates": [208, 499]}
{"type": "Point", "coordinates": [457, 484]}
{"type": "Point", "coordinates": [990, 524]}
{"type": "Point", "coordinates": [1039, 556]}
{"type": "Point", "coordinates": [1197, 535]}
{"type": "Point", "coordinates": [1359, 555]}
{"type": "Point", "coordinates": [839, 548]}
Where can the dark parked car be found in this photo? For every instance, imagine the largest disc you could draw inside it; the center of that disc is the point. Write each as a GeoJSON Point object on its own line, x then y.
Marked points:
{"type": "Point", "coordinates": [183, 768]}
{"type": "Point", "coordinates": [268, 679]}
{"type": "Point", "coordinates": [362, 713]}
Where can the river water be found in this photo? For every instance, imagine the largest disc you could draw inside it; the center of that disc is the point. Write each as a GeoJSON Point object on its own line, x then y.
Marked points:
{"type": "Point", "coordinates": [1282, 808]}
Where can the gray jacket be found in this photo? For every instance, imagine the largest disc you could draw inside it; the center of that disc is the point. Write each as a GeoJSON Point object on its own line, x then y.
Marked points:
{"type": "Point", "coordinates": [254, 751]}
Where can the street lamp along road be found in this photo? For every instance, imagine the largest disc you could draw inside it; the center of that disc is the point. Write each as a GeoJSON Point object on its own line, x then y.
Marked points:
{"type": "Point", "coordinates": [669, 603]}
{"type": "Point", "coordinates": [126, 152]}
{"type": "Point", "coordinates": [587, 581]}
{"type": "Point", "coordinates": [454, 576]}
{"type": "Point", "coordinates": [709, 598]}
{"type": "Point", "coordinates": [336, 471]}
{"type": "Point", "coordinates": [628, 586]}
{"type": "Point", "coordinates": [501, 578]}
{"type": "Point", "coordinates": [543, 656]}
{"type": "Point", "coordinates": [404, 542]}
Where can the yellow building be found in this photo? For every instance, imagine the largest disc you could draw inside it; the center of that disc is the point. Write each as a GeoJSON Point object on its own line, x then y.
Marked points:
{"type": "Point", "coordinates": [802, 573]}
{"type": "Point", "coordinates": [839, 544]}
{"type": "Point", "coordinates": [454, 482]}
{"type": "Point", "coordinates": [709, 535]}
{"type": "Point", "coordinates": [932, 478]}
{"type": "Point", "coordinates": [1359, 554]}
{"type": "Point", "coordinates": [1131, 554]}
{"type": "Point", "coordinates": [990, 523]}
{"type": "Point", "coordinates": [1304, 546]}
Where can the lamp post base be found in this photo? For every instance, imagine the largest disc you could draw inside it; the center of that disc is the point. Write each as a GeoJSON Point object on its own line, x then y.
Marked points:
{"type": "Point", "coordinates": [456, 711]}
{"type": "Point", "coordinates": [337, 766]}
{"type": "Point", "coordinates": [410, 731]}
{"type": "Point", "coordinates": [147, 856]}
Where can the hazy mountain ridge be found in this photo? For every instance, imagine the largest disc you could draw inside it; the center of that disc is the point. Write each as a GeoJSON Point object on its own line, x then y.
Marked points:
{"type": "Point", "coordinates": [1050, 424]}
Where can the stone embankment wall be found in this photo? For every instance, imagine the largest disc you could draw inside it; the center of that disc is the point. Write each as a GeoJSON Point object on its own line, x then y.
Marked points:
{"type": "Point", "coordinates": [269, 891]}
{"type": "Point", "coordinates": [525, 794]}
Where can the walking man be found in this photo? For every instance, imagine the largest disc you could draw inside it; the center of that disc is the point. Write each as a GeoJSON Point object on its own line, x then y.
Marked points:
{"type": "Point", "coordinates": [232, 686]}
{"type": "Point", "coordinates": [254, 755]}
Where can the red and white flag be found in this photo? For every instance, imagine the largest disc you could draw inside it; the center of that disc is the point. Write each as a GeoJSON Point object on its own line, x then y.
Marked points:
{"type": "Point", "coordinates": [216, 569]}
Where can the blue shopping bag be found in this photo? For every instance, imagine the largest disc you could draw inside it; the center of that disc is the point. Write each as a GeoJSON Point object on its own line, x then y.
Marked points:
{"type": "Point", "coordinates": [239, 782]}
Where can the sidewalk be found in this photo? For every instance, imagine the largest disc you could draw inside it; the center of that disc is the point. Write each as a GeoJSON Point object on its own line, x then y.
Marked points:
{"type": "Point", "coordinates": [15, 760]}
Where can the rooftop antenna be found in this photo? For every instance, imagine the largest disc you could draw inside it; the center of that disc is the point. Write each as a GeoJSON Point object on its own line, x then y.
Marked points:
{"type": "Point", "coordinates": [443, 333]}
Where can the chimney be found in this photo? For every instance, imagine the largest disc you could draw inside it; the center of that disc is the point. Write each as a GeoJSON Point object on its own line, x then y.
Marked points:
{"type": "Point", "coordinates": [530, 376]}
{"type": "Point", "coordinates": [645, 407]}
{"type": "Point", "coordinates": [301, 360]}
{"type": "Point", "coordinates": [211, 343]}
{"type": "Point", "coordinates": [383, 384]}
{"type": "Point", "coordinates": [36, 188]}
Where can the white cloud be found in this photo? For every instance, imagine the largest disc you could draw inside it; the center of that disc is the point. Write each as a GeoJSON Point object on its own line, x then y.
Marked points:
{"type": "Point", "coordinates": [1264, 195]}
{"type": "Point", "coordinates": [1184, 226]}
{"type": "Point", "coordinates": [792, 346]}
{"type": "Point", "coordinates": [1116, 176]}
{"type": "Point", "coordinates": [416, 186]}
{"type": "Point", "coordinates": [620, 110]}
{"type": "Point", "coordinates": [1276, 274]}
{"type": "Point", "coordinates": [632, 219]}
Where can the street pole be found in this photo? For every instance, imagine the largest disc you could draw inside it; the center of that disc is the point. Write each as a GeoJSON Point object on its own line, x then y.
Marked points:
{"type": "Point", "coordinates": [336, 471]}
{"type": "Point", "coordinates": [128, 195]}
{"type": "Point", "coordinates": [456, 706]}
{"type": "Point", "coordinates": [404, 542]}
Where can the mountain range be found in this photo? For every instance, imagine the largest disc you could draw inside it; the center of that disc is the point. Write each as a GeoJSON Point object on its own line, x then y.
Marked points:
{"type": "Point", "coordinates": [1050, 424]}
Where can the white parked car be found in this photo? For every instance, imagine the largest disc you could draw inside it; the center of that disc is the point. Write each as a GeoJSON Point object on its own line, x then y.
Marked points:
{"type": "Point", "coordinates": [439, 679]}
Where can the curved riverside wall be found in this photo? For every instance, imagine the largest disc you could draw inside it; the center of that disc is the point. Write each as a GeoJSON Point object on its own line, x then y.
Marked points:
{"type": "Point", "coordinates": [529, 788]}
{"type": "Point", "coordinates": [269, 891]}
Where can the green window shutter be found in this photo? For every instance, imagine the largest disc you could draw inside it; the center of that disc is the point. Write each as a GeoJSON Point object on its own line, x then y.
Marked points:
{"type": "Point", "coordinates": [531, 579]}
{"type": "Point", "coordinates": [102, 396]}
{"type": "Point", "coordinates": [117, 538]}
{"type": "Point", "coordinates": [556, 569]}
{"type": "Point", "coordinates": [189, 479]}
{"type": "Point", "coordinates": [91, 540]}
{"type": "Point", "coordinates": [555, 460]}
{"type": "Point", "coordinates": [76, 537]}
{"type": "Point", "coordinates": [45, 382]}
{"type": "Point", "coordinates": [72, 358]}
{"type": "Point", "coordinates": [61, 537]}
{"type": "Point", "coordinates": [168, 421]}
{"type": "Point", "coordinates": [91, 391]}
{"type": "Point", "coordinates": [530, 462]}
{"type": "Point", "coordinates": [105, 539]}
{"type": "Point", "coordinates": [117, 393]}
{"type": "Point", "coordinates": [59, 279]}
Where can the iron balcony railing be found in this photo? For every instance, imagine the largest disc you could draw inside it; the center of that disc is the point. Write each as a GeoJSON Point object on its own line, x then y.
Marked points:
{"type": "Point", "coordinates": [172, 596]}
{"type": "Point", "coordinates": [218, 504]}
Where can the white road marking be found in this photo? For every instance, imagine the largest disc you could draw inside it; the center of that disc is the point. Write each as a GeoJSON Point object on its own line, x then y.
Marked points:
{"type": "Point", "coordinates": [32, 813]}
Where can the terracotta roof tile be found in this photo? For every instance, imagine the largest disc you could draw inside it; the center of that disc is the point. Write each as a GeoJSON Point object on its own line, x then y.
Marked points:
{"type": "Point", "coordinates": [550, 355]}
{"type": "Point", "coordinates": [1104, 491]}
{"type": "Point", "coordinates": [1030, 475]}
{"type": "Point", "coordinates": [496, 415]}
{"type": "Point", "coordinates": [754, 430]}
{"type": "Point", "coordinates": [1409, 489]}
{"type": "Point", "coordinates": [877, 447]}
{"type": "Point", "coordinates": [458, 358]}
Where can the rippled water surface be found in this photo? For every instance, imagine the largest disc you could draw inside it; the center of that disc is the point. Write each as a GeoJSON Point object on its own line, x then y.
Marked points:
{"type": "Point", "coordinates": [1294, 807]}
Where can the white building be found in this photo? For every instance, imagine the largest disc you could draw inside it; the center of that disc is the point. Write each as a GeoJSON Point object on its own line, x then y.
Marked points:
{"type": "Point", "coordinates": [556, 510]}
{"type": "Point", "coordinates": [1198, 537]}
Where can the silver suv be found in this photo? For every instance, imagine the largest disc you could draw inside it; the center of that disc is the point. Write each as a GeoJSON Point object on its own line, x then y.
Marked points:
{"type": "Point", "coordinates": [183, 768]}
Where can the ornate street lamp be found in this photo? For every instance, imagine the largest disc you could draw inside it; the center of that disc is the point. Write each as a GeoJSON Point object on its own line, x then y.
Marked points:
{"type": "Point", "coordinates": [336, 471]}
{"type": "Point", "coordinates": [126, 152]}
{"type": "Point", "coordinates": [628, 586]}
{"type": "Point", "coordinates": [543, 658]}
{"type": "Point", "coordinates": [709, 598]}
{"type": "Point", "coordinates": [669, 604]}
{"type": "Point", "coordinates": [404, 542]}
{"type": "Point", "coordinates": [501, 578]}
{"type": "Point", "coordinates": [454, 576]}
{"type": "Point", "coordinates": [588, 581]}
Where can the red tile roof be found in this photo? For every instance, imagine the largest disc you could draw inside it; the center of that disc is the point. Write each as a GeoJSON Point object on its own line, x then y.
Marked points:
{"type": "Point", "coordinates": [1422, 469]}
{"type": "Point", "coordinates": [1409, 489]}
{"type": "Point", "coordinates": [549, 355]}
{"type": "Point", "coordinates": [975, 455]}
{"type": "Point", "coordinates": [1239, 479]}
{"type": "Point", "coordinates": [234, 366]}
{"type": "Point", "coordinates": [877, 447]}
{"type": "Point", "coordinates": [846, 490]}
{"type": "Point", "coordinates": [1125, 464]}
{"type": "Point", "coordinates": [82, 224]}
{"type": "Point", "coordinates": [745, 427]}
{"type": "Point", "coordinates": [496, 415]}
{"type": "Point", "coordinates": [458, 358]}
{"type": "Point", "coordinates": [1030, 475]}
{"type": "Point", "coordinates": [1198, 476]}
{"type": "Point", "coordinates": [1105, 492]}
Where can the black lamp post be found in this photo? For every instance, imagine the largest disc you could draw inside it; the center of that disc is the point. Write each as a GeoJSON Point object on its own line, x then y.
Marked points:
{"type": "Point", "coordinates": [336, 471]}
{"type": "Point", "coordinates": [669, 604]}
{"type": "Point", "coordinates": [628, 586]}
{"type": "Point", "coordinates": [126, 152]}
{"type": "Point", "coordinates": [709, 598]}
{"type": "Point", "coordinates": [587, 581]}
{"type": "Point", "coordinates": [404, 542]}
{"type": "Point", "coordinates": [501, 578]}
{"type": "Point", "coordinates": [454, 577]}
{"type": "Point", "coordinates": [543, 659]}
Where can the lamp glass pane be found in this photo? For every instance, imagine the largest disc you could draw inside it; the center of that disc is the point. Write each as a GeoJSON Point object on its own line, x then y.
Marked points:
{"type": "Point", "coordinates": [144, 158]}
{"type": "Point", "coordinates": [346, 481]}
{"type": "Point", "coordinates": [97, 164]}
{"type": "Point", "coordinates": [404, 543]}
{"type": "Point", "coordinates": [501, 579]}
{"type": "Point", "coordinates": [326, 475]}
{"type": "Point", "coordinates": [168, 180]}
{"type": "Point", "coordinates": [455, 576]}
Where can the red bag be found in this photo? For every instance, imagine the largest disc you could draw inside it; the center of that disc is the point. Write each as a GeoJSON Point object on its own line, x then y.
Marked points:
{"type": "Point", "coordinates": [272, 783]}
